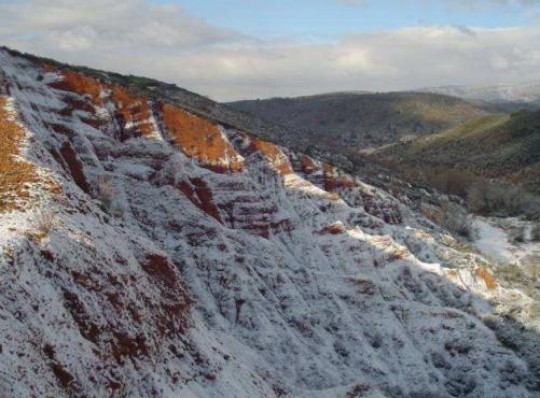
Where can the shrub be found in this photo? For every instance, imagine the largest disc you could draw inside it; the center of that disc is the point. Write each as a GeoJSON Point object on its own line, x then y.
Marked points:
{"type": "Point", "coordinates": [517, 235]}
{"type": "Point", "coordinates": [108, 196]}
{"type": "Point", "coordinates": [46, 221]}
{"type": "Point", "coordinates": [482, 196]}
{"type": "Point", "coordinates": [511, 273]}
{"type": "Point", "coordinates": [105, 191]}
{"type": "Point", "coordinates": [456, 219]}
{"type": "Point", "coordinates": [495, 198]}
{"type": "Point", "coordinates": [451, 182]}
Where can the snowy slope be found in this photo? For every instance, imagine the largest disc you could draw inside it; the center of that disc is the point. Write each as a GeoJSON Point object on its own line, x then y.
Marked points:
{"type": "Point", "coordinates": [180, 258]}
{"type": "Point", "coordinates": [507, 241]}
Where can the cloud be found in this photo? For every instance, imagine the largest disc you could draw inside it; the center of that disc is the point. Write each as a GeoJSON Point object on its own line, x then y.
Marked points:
{"type": "Point", "coordinates": [353, 2]}
{"type": "Point", "coordinates": [164, 42]}
{"type": "Point", "coordinates": [398, 60]}
{"type": "Point", "coordinates": [107, 23]}
{"type": "Point", "coordinates": [481, 5]}
{"type": "Point", "coordinates": [472, 5]}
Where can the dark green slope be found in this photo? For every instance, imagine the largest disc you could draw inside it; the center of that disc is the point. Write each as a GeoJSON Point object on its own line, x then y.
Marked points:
{"type": "Point", "coordinates": [364, 120]}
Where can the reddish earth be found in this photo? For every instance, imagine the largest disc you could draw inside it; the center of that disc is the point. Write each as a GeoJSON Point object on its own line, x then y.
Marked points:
{"type": "Point", "coordinates": [452, 273]}
{"type": "Point", "coordinates": [174, 302]}
{"type": "Point", "coordinates": [200, 139]}
{"type": "Point", "coordinates": [133, 113]}
{"type": "Point", "coordinates": [273, 154]}
{"type": "Point", "coordinates": [484, 274]}
{"type": "Point", "coordinates": [265, 228]}
{"type": "Point", "coordinates": [387, 211]}
{"type": "Point", "coordinates": [166, 312]}
{"type": "Point", "coordinates": [334, 229]}
{"type": "Point", "coordinates": [16, 174]}
{"type": "Point", "coordinates": [61, 129]}
{"type": "Point", "coordinates": [308, 166]}
{"type": "Point", "coordinates": [75, 166]}
{"type": "Point", "coordinates": [201, 196]}
{"type": "Point", "coordinates": [333, 180]}
{"type": "Point", "coordinates": [78, 83]}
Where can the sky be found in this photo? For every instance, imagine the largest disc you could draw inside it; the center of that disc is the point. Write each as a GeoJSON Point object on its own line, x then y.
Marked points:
{"type": "Point", "coordinates": [245, 49]}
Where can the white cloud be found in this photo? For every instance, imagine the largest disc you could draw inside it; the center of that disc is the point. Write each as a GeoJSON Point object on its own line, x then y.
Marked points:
{"type": "Point", "coordinates": [164, 42]}
{"type": "Point", "coordinates": [108, 23]}
{"type": "Point", "coordinates": [461, 4]}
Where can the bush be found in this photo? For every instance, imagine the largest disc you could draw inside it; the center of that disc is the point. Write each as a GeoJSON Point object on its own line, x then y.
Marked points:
{"type": "Point", "coordinates": [450, 216]}
{"type": "Point", "coordinates": [482, 196]}
{"type": "Point", "coordinates": [456, 219]}
{"type": "Point", "coordinates": [517, 235]}
{"type": "Point", "coordinates": [45, 222]}
{"type": "Point", "coordinates": [108, 196]}
{"type": "Point", "coordinates": [494, 198]}
{"type": "Point", "coordinates": [451, 182]}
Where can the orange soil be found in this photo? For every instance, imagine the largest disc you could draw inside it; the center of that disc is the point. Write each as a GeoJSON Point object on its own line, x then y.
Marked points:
{"type": "Point", "coordinates": [132, 109]}
{"type": "Point", "coordinates": [273, 154]}
{"type": "Point", "coordinates": [78, 83]}
{"type": "Point", "coordinates": [200, 139]}
{"type": "Point", "coordinates": [486, 276]}
{"type": "Point", "coordinates": [334, 229]}
{"type": "Point", "coordinates": [452, 273]}
{"type": "Point", "coordinates": [308, 165]}
{"type": "Point", "coordinates": [333, 181]}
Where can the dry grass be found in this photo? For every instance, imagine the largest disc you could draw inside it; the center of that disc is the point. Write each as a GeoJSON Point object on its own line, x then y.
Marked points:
{"type": "Point", "coordinates": [45, 223]}
{"type": "Point", "coordinates": [15, 174]}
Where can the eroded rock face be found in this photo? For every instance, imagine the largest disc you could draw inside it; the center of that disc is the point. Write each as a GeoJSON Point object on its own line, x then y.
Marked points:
{"type": "Point", "coordinates": [132, 114]}
{"type": "Point", "coordinates": [184, 258]}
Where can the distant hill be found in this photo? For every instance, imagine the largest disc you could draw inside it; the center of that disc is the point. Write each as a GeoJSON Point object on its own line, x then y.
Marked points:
{"type": "Point", "coordinates": [358, 120]}
{"type": "Point", "coordinates": [500, 146]}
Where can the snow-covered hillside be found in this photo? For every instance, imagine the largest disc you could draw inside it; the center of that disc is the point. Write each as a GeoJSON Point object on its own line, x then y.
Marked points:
{"type": "Point", "coordinates": [158, 254]}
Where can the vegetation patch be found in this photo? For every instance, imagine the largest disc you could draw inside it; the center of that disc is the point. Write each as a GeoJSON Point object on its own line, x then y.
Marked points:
{"type": "Point", "coordinates": [493, 162]}
{"type": "Point", "coordinates": [15, 174]}
{"type": "Point", "coordinates": [339, 121]}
